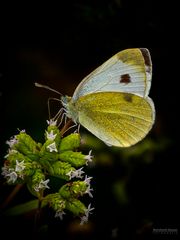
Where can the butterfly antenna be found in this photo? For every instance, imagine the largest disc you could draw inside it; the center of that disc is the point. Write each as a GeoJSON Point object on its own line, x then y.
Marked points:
{"type": "Point", "coordinates": [58, 114]}
{"type": "Point", "coordinates": [47, 87]}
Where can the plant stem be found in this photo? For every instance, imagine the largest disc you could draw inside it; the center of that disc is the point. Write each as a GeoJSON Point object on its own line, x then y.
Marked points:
{"type": "Point", "coordinates": [38, 214]}
{"type": "Point", "coordinates": [11, 196]}
{"type": "Point", "coordinates": [66, 126]}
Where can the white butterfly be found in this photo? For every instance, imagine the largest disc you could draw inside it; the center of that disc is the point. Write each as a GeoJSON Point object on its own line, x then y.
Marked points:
{"type": "Point", "coordinates": [112, 102]}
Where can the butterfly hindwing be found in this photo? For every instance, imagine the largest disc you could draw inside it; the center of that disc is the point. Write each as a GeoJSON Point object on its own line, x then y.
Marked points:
{"type": "Point", "coordinates": [119, 119]}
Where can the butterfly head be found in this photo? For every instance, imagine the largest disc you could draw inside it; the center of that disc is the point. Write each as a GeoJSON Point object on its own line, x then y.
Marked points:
{"type": "Point", "coordinates": [69, 108]}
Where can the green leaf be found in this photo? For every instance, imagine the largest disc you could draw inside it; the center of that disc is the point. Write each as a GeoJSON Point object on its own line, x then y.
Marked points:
{"type": "Point", "coordinates": [22, 208]}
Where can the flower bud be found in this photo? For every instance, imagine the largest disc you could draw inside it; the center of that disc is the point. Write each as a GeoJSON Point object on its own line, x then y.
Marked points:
{"type": "Point", "coordinates": [70, 142]}
{"type": "Point", "coordinates": [76, 159]}
{"type": "Point", "coordinates": [75, 206]}
{"type": "Point", "coordinates": [27, 146]}
{"type": "Point", "coordinates": [60, 169]}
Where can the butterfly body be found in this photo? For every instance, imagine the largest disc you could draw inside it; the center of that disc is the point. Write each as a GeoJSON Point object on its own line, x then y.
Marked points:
{"type": "Point", "coordinates": [112, 102]}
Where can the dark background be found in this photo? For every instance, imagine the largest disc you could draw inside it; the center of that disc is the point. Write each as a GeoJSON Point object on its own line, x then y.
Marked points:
{"type": "Point", "coordinates": [58, 46]}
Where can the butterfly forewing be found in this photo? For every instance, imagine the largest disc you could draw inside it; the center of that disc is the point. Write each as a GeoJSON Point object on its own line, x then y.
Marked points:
{"type": "Point", "coordinates": [127, 71]}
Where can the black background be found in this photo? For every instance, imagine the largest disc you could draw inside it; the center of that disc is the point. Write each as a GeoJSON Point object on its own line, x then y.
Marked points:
{"type": "Point", "coordinates": [58, 45]}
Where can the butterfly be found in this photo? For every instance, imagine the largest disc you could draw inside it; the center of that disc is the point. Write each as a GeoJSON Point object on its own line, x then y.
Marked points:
{"type": "Point", "coordinates": [112, 101]}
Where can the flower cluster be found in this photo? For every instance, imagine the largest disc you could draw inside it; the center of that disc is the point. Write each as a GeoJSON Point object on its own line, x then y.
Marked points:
{"type": "Point", "coordinates": [35, 163]}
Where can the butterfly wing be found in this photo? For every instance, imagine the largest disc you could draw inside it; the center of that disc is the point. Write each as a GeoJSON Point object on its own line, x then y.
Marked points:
{"type": "Point", "coordinates": [127, 71]}
{"type": "Point", "coordinates": [118, 119]}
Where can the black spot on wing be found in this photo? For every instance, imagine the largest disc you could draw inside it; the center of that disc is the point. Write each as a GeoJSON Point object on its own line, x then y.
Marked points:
{"type": "Point", "coordinates": [128, 97]}
{"type": "Point", "coordinates": [147, 59]}
{"type": "Point", "coordinates": [125, 78]}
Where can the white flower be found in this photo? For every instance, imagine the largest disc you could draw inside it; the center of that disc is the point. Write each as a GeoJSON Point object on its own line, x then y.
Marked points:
{"type": "Point", "coordinates": [88, 157]}
{"type": "Point", "coordinates": [51, 122]}
{"type": "Point", "coordinates": [19, 166]}
{"type": "Point", "coordinates": [22, 131]}
{"type": "Point", "coordinates": [52, 147]}
{"type": "Point", "coordinates": [12, 141]}
{"type": "Point", "coordinates": [5, 170]}
{"type": "Point", "coordinates": [9, 173]}
{"type": "Point", "coordinates": [88, 191]}
{"type": "Point", "coordinates": [88, 210]}
{"type": "Point", "coordinates": [84, 218]}
{"type": "Point", "coordinates": [87, 180]}
{"type": "Point", "coordinates": [12, 176]}
{"type": "Point", "coordinates": [41, 185]}
{"type": "Point", "coordinates": [60, 214]}
{"type": "Point", "coordinates": [69, 174]}
{"type": "Point", "coordinates": [76, 173]}
{"type": "Point", "coordinates": [10, 151]}
{"type": "Point", "coordinates": [51, 135]}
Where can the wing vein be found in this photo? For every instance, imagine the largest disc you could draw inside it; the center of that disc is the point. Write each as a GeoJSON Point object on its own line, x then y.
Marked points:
{"type": "Point", "coordinates": [126, 134]}
{"type": "Point", "coordinates": [128, 122]}
{"type": "Point", "coordinates": [123, 113]}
